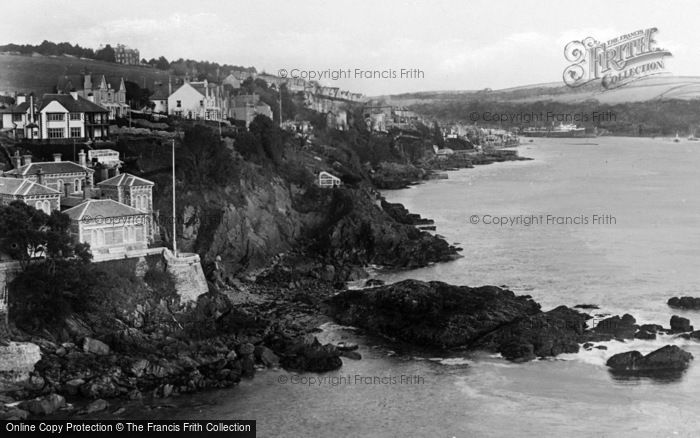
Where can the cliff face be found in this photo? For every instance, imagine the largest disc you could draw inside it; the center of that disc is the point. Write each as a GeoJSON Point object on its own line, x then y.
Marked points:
{"type": "Point", "coordinates": [251, 222]}
{"type": "Point", "coordinates": [245, 225]}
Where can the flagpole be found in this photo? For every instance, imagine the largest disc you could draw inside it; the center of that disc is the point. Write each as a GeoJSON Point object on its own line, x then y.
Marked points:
{"type": "Point", "coordinates": [174, 217]}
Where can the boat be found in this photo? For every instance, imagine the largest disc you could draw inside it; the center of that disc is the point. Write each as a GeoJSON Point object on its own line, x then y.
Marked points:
{"type": "Point", "coordinates": [677, 139]}
{"type": "Point", "coordinates": [693, 138]}
{"type": "Point", "coordinates": [561, 131]}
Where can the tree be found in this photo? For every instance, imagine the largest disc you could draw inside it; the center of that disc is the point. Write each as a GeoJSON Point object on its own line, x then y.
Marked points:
{"type": "Point", "coordinates": [162, 63]}
{"type": "Point", "coordinates": [106, 54]}
{"type": "Point", "coordinates": [29, 235]}
{"type": "Point", "coordinates": [268, 136]}
{"type": "Point", "coordinates": [202, 158]}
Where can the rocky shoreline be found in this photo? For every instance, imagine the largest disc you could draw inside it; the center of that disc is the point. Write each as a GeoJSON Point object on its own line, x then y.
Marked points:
{"type": "Point", "coordinates": [391, 176]}
{"type": "Point", "coordinates": [267, 319]}
{"type": "Point", "coordinates": [490, 318]}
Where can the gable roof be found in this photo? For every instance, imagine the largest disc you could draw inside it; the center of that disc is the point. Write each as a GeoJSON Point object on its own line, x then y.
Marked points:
{"type": "Point", "coordinates": [125, 179]}
{"type": "Point", "coordinates": [101, 209]}
{"type": "Point", "coordinates": [16, 109]}
{"type": "Point", "coordinates": [199, 90]}
{"type": "Point", "coordinates": [49, 168]}
{"type": "Point", "coordinates": [161, 93]}
{"type": "Point", "coordinates": [79, 105]}
{"type": "Point", "coordinates": [24, 187]}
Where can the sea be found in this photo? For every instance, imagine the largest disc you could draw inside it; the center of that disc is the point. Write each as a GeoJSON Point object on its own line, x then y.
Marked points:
{"type": "Point", "coordinates": [609, 221]}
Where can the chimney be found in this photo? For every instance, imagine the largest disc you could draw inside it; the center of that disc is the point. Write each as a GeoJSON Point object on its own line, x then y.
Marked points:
{"type": "Point", "coordinates": [81, 158]}
{"type": "Point", "coordinates": [170, 86]}
{"type": "Point", "coordinates": [91, 97]}
{"type": "Point", "coordinates": [86, 188]}
{"type": "Point", "coordinates": [16, 160]}
{"type": "Point", "coordinates": [57, 158]}
{"type": "Point", "coordinates": [40, 176]}
{"type": "Point", "coordinates": [21, 98]}
{"type": "Point", "coordinates": [116, 170]}
{"type": "Point", "coordinates": [74, 94]}
{"type": "Point", "coordinates": [26, 159]}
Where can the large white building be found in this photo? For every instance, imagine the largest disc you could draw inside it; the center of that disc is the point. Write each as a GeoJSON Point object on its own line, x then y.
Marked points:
{"type": "Point", "coordinates": [197, 100]}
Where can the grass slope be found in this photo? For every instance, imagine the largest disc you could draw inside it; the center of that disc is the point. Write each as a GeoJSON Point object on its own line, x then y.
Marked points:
{"type": "Point", "coordinates": [40, 73]}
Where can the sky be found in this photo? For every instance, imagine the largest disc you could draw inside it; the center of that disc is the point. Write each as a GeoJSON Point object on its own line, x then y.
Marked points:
{"type": "Point", "coordinates": [453, 45]}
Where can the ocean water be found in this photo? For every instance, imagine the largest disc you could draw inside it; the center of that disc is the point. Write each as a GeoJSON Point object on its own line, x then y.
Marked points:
{"type": "Point", "coordinates": [632, 264]}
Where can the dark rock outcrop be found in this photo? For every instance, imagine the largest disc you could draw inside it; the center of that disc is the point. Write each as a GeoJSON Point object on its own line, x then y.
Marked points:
{"type": "Point", "coordinates": [545, 334]}
{"type": "Point", "coordinates": [615, 327]}
{"type": "Point", "coordinates": [432, 313]}
{"type": "Point", "coordinates": [308, 354]}
{"type": "Point", "coordinates": [668, 358]}
{"type": "Point", "coordinates": [689, 303]}
{"type": "Point", "coordinates": [680, 324]}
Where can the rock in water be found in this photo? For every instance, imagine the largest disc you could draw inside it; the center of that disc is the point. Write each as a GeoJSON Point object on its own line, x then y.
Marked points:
{"type": "Point", "coordinates": [623, 327]}
{"type": "Point", "coordinates": [690, 303]}
{"type": "Point", "coordinates": [433, 314]}
{"type": "Point", "coordinates": [310, 355]}
{"type": "Point", "coordinates": [668, 358]}
{"type": "Point", "coordinates": [542, 335]}
{"type": "Point", "coordinates": [680, 324]}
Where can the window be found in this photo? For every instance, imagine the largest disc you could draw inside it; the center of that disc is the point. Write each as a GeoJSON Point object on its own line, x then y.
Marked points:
{"type": "Point", "coordinates": [138, 235]}
{"type": "Point", "coordinates": [54, 117]}
{"type": "Point", "coordinates": [75, 116]}
{"type": "Point", "coordinates": [75, 132]}
{"type": "Point", "coordinates": [201, 103]}
{"type": "Point", "coordinates": [59, 185]}
{"type": "Point", "coordinates": [56, 133]}
{"type": "Point", "coordinates": [77, 186]}
{"type": "Point", "coordinates": [114, 236]}
{"type": "Point", "coordinates": [179, 104]}
{"type": "Point", "coordinates": [44, 206]}
{"type": "Point", "coordinates": [17, 117]}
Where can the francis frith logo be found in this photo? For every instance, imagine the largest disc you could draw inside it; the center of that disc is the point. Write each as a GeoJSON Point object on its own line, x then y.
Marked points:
{"type": "Point", "coordinates": [615, 62]}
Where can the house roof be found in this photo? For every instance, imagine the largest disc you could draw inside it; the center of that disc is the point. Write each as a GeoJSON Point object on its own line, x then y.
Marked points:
{"type": "Point", "coordinates": [101, 209]}
{"type": "Point", "coordinates": [68, 83]}
{"type": "Point", "coordinates": [125, 179]}
{"type": "Point", "coordinates": [16, 109]}
{"type": "Point", "coordinates": [49, 168]}
{"type": "Point", "coordinates": [24, 187]}
{"type": "Point", "coordinates": [199, 90]}
{"type": "Point", "coordinates": [79, 105]}
{"type": "Point", "coordinates": [161, 93]}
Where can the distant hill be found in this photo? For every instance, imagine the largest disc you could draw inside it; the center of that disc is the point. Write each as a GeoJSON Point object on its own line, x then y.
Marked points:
{"type": "Point", "coordinates": [39, 73]}
{"type": "Point", "coordinates": [661, 87]}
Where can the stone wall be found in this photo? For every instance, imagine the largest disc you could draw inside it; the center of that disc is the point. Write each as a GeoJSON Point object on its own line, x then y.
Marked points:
{"type": "Point", "coordinates": [189, 276]}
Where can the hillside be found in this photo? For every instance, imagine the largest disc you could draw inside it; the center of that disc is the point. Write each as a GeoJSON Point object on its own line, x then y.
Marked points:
{"type": "Point", "coordinates": [650, 88]}
{"type": "Point", "coordinates": [40, 73]}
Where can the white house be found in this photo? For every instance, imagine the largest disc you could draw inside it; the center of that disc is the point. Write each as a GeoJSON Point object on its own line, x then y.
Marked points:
{"type": "Point", "coordinates": [109, 227]}
{"type": "Point", "coordinates": [72, 116]}
{"type": "Point", "coordinates": [327, 180]}
{"type": "Point", "coordinates": [196, 100]}
{"type": "Point", "coordinates": [20, 119]}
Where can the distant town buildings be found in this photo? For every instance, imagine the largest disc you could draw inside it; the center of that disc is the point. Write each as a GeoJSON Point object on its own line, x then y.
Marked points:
{"type": "Point", "coordinates": [126, 55]}
{"type": "Point", "coordinates": [246, 106]}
